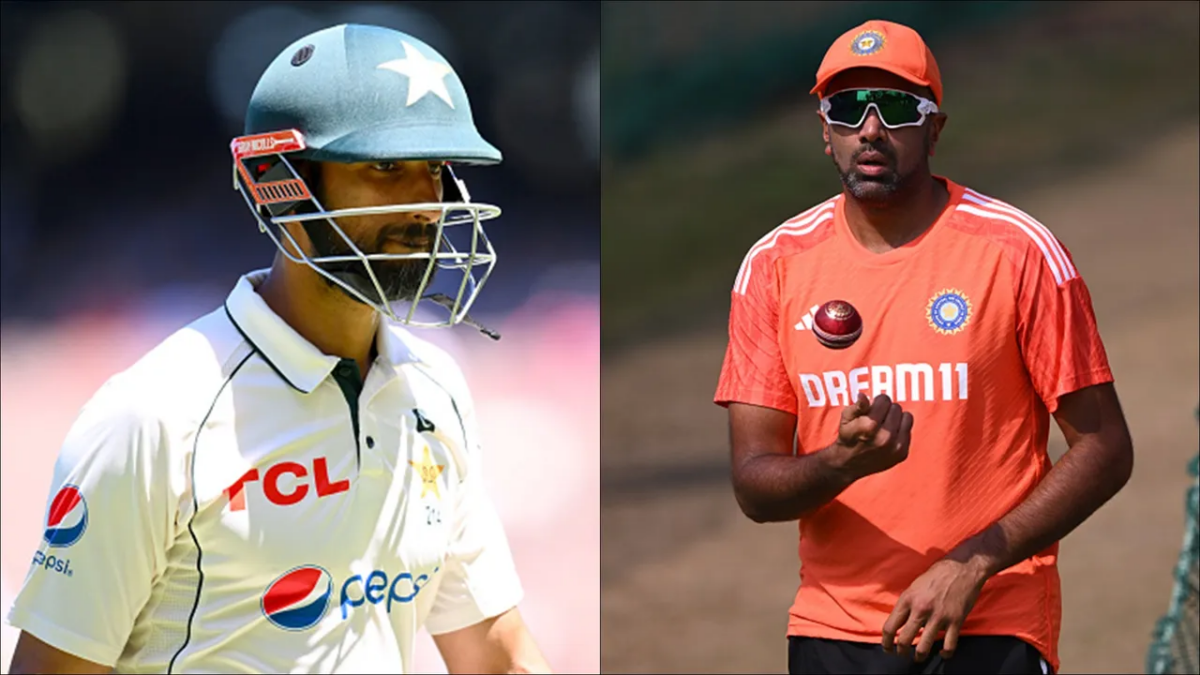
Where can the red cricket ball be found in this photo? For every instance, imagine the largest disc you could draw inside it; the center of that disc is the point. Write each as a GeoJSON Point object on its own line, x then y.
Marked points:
{"type": "Point", "coordinates": [837, 324]}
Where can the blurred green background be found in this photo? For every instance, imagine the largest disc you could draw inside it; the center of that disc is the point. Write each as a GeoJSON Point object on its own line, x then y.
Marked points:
{"type": "Point", "coordinates": [1085, 114]}
{"type": "Point", "coordinates": [710, 137]}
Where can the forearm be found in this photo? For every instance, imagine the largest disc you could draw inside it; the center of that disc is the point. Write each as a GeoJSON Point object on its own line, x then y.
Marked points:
{"type": "Point", "coordinates": [1087, 476]}
{"type": "Point", "coordinates": [508, 660]}
{"type": "Point", "coordinates": [502, 644]}
{"type": "Point", "coordinates": [526, 657]}
{"type": "Point", "coordinates": [779, 488]}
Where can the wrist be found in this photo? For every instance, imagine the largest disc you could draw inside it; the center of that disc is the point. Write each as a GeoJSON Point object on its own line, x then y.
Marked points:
{"type": "Point", "coordinates": [982, 554]}
{"type": "Point", "coordinates": [836, 458]}
{"type": "Point", "coordinates": [981, 568]}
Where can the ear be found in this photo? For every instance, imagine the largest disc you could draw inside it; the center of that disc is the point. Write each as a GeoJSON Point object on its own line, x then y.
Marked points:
{"type": "Point", "coordinates": [936, 124]}
{"type": "Point", "coordinates": [825, 134]}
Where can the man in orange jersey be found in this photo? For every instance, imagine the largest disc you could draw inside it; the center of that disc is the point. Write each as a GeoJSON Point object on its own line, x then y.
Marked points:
{"type": "Point", "coordinates": [929, 508]}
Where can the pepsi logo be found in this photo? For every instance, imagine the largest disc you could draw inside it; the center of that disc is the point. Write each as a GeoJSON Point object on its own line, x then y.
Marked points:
{"type": "Point", "coordinates": [299, 598]}
{"type": "Point", "coordinates": [68, 517]}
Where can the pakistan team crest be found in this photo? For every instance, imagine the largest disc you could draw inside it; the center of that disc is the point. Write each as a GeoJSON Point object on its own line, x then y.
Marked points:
{"type": "Point", "coordinates": [949, 311]}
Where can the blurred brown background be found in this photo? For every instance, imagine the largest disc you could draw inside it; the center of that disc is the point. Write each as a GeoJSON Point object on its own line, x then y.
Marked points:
{"type": "Point", "coordinates": [1086, 115]}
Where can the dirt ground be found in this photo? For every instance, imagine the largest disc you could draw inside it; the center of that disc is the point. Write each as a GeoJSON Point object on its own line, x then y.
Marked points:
{"type": "Point", "coordinates": [690, 585]}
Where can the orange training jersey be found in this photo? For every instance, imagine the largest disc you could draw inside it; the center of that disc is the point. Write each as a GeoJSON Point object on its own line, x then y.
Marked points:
{"type": "Point", "coordinates": [976, 328]}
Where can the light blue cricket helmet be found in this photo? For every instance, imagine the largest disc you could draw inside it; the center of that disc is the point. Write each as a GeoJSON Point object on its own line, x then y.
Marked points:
{"type": "Point", "coordinates": [354, 93]}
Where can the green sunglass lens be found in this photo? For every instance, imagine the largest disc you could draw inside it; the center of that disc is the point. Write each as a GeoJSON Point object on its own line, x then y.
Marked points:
{"type": "Point", "coordinates": [849, 107]}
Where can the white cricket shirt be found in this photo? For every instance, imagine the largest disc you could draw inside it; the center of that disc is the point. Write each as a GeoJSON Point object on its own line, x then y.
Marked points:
{"type": "Point", "coordinates": [237, 502]}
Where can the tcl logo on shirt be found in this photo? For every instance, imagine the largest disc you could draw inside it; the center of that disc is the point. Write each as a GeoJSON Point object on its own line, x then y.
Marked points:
{"type": "Point", "coordinates": [300, 481]}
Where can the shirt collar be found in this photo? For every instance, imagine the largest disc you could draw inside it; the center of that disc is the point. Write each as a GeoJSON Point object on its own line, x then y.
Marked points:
{"type": "Point", "coordinates": [294, 358]}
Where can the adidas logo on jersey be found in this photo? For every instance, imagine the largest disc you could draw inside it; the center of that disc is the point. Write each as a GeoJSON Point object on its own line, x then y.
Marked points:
{"type": "Point", "coordinates": [807, 321]}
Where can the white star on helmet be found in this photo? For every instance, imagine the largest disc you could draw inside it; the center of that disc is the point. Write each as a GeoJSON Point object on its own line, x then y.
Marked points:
{"type": "Point", "coordinates": [424, 76]}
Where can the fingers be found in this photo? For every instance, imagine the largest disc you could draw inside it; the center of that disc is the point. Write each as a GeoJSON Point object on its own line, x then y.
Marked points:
{"type": "Point", "coordinates": [951, 641]}
{"type": "Point", "coordinates": [908, 634]}
{"type": "Point", "coordinates": [898, 617]}
{"type": "Point", "coordinates": [879, 408]}
{"type": "Point", "coordinates": [904, 434]}
{"type": "Point", "coordinates": [862, 424]}
{"type": "Point", "coordinates": [882, 424]}
{"type": "Point", "coordinates": [891, 424]}
{"type": "Point", "coordinates": [928, 637]}
{"type": "Point", "coordinates": [860, 407]}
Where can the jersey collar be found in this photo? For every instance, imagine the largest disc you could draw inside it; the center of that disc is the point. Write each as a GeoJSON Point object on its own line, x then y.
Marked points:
{"type": "Point", "coordinates": [294, 358]}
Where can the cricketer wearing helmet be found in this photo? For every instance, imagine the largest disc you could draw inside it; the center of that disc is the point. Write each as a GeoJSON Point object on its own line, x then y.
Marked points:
{"type": "Point", "coordinates": [292, 483]}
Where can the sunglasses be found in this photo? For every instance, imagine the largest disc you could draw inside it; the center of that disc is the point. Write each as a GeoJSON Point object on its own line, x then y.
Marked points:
{"type": "Point", "coordinates": [895, 109]}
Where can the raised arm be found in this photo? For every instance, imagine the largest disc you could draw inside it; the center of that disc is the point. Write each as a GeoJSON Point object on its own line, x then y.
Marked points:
{"type": "Point", "coordinates": [772, 484]}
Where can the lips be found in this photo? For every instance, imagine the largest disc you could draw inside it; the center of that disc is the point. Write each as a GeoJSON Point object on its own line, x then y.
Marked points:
{"type": "Point", "coordinates": [410, 243]}
{"type": "Point", "coordinates": [410, 235]}
{"type": "Point", "coordinates": [872, 158]}
{"type": "Point", "coordinates": [872, 163]}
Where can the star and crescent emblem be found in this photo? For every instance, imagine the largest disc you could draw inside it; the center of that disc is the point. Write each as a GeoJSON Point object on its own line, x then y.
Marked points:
{"type": "Point", "coordinates": [428, 472]}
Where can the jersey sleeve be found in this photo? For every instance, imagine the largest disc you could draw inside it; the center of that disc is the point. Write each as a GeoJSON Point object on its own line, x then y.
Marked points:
{"type": "Point", "coordinates": [753, 371]}
{"type": "Point", "coordinates": [106, 528]}
{"type": "Point", "coordinates": [480, 579]}
{"type": "Point", "coordinates": [1056, 326]}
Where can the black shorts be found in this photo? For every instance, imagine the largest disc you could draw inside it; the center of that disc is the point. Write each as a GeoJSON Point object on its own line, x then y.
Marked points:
{"type": "Point", "coordinates": [975, 655]}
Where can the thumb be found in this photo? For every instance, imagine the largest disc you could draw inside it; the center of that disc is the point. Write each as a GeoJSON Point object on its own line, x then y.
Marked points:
{"type": "Point", "coordinates": [861, 406]}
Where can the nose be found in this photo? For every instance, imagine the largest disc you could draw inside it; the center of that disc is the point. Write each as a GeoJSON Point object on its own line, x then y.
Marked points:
{"type": "Point", "coordinates": [427, 190]}
{"type": "Point", "coordinates": [872, 128]}
{"type": "Point", "coordinates": [426, 217]}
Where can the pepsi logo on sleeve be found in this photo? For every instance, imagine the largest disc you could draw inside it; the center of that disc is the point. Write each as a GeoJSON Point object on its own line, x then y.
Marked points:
{"type": "Point", "coordinates": [68, 517]}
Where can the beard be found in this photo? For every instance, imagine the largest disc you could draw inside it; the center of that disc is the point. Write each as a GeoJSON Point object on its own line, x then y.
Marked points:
{"type": "Point", "coordinates": [400, 280]}
{"type": "Point", "coordinates": [881, 189]}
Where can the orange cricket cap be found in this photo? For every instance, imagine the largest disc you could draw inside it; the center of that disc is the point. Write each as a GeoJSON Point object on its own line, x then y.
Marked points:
{"type": "Point", "coordinates": [884, 45]}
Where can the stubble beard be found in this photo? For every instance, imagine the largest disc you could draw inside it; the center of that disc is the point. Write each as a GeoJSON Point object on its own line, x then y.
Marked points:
{"type": "Point", "coordinates": [400, 280]}
{"type": "Point", "coordinates": [882, 190]}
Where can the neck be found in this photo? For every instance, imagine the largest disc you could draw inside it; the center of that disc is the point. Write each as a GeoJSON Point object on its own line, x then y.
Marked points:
{"type": "Point", "coordinates": [321, 314]}
{"type": "Point", "coordinates": [884, 226]}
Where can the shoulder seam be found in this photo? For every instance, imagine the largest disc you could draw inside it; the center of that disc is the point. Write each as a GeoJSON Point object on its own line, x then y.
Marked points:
{"type": "Point", "coordinates": [1052, 250]}
{"type": "Point", "coordinates": [799, 225]}
{"type": "Point", "coordinates": [470, 441]}
{"type": "Point", "coordinates": [152, 406]}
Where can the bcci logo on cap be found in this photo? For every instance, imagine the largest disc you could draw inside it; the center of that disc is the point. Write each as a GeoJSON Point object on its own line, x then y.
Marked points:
{"type": "Point", "coordinates": [68, 517]}
{"type": "Point", "coordinates": [867, 42]}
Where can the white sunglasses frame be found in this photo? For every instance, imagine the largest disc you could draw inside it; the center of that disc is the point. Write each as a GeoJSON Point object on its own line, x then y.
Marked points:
{"type": "Point", "coordinates": [925, 107]}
